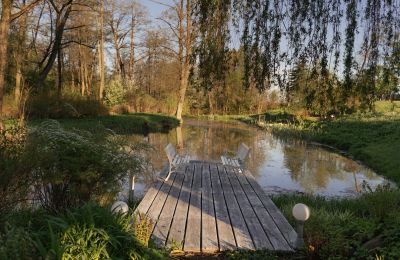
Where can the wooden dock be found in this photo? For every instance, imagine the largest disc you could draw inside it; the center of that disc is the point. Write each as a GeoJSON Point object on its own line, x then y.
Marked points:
{"type": "Point", "coordinates": [207, 207]}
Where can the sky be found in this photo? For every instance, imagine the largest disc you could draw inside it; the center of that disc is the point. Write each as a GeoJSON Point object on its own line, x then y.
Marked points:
{"type": "Point", "coordinates": [155, 9]}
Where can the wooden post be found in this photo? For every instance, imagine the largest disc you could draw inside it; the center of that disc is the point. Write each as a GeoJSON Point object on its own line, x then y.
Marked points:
{"type": "Point", "coordinates": [131, 188]}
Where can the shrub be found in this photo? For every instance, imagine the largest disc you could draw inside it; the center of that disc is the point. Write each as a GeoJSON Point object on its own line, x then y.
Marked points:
{"type": "Point", "coordinates": [349, 228]}
{"type": "Point", "coordinates": [87, 232]}
{"type": "Point", "coordinates": [71, 167]}
{"type": "Point", "coordinates": [14, 180]}
{"type": "Point", "coordinates": [143, 228]}
{"type": "Point", "coordinates": [114, 93]}
{"type": "Point", "coordinates": [16, 243]}
{"type": "Point", "coordinates": [82, 242]}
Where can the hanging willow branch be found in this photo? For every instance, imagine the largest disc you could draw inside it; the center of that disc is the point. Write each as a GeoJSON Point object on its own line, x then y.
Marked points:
{"type": "Point", "coordinates": [324, 35]}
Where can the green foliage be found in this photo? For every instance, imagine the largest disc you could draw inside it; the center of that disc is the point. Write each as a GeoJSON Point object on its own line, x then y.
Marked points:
{"type": "Point", "coordinates": [85, 243]}
{"type": "Point", "coordinates": [50, 106]}
{"type": "Point", "coordinates": [115, 93]}
{"type": "Point", "coordinates": [16, 243]}
{"type": "Point", "coordinates": [143, 228]}
{"type": "Point", "coordinates": [14, 180]}
{"type": "Point", "coordinates": [71, 167]}
{"type": "Point", "coordinates": [88, 232]}
{"type": "Point", "coordinates": [342, 228]}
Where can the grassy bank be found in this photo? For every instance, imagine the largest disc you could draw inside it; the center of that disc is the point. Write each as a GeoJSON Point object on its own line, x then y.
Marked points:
{"type": "Point", "coordinates": [123, 124]}
{"type": "Point", "coordinates": [372, 138]}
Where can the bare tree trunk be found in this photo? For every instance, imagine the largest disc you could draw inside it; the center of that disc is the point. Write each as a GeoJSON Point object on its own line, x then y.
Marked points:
{"type": "Point", "coordinates": [118, 59]}
{"type": "Point", "coordinates": [179, 137]}
{"type": "Point", "coordinates": [19, 56]}
{"type": "Point", "coordinates": [132, 50]}
{"type": "Point", "coordinates": [59, 73]}
{"type": "Point", "coordinates": [4, 26]}
{"type": "Point", "coordinates": [86, 77]}
{"type": "Point", "coordinates": [61, 20]}
{"type": "Point", "coordinates": [210, 102]}
{"type": "Point", "coordinates": [81, 72]}
{"type": "Point", "coordinates": [185, 43]}
{"type": "Point", "coordinates": [101, 52]}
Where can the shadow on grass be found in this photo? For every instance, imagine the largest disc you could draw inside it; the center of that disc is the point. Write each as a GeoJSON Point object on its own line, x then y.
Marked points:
{"type": "Point", "coordinates": [140, 123]}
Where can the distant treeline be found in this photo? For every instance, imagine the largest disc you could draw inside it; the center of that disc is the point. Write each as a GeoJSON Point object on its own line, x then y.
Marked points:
{"type": "Point", "coordinates": [324, 56]}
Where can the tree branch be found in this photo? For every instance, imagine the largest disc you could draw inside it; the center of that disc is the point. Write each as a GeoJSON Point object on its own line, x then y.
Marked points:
{"type": "Point", "coordinates": [25, 9]}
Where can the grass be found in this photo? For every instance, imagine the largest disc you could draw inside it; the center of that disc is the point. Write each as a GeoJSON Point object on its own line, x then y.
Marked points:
{"type": "Point", "coordinates": [123, 124]}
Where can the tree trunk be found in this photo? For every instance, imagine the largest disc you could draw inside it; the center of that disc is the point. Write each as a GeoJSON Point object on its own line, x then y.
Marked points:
{"type": "Point", "coordinates": [4, 27]}
{"type": "Point", "coordinates": [185, 43]}
{"type": "Point", "coordinates": [19, 56]}
{"type": "Point", "coordinates": [61, 20]}
{"type": "Point", "coordinates": [81, 71]}
{"type": "Point", "coordinates": [132, 51]}
{"type": "Point", "coordinates": [101, 52]}
{"type": "Point", "coordinates": [59, 73]}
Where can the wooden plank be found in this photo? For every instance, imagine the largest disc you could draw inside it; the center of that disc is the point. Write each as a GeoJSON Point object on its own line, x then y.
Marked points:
{"type": "Point", "coordinates": [209, 228]}
{"type": "Point", "coordinates": [178, 226]}
{"type": "Point", "coordinates": [258, 235]}
{"type": "Point", "coordinates": [193, 229]}
{"type": "Point", "coordinates": [241, 232]}
{"type": "Point", "coordinates": [151, 194]}
{"type": "Point", "coordinates": [286, 229]}
{"type": "Point", "coordinates": [224, 228]}
{"type": "Point", "coordinates": [270, 227]}
{"type": "Point", "coordinates": [159, 201]}
{"type": "Point", "coordinates": [163, 225]}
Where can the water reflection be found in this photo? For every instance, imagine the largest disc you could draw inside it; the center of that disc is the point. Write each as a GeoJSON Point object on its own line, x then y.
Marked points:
{"type": "Point", "coordinates": [278, 165]}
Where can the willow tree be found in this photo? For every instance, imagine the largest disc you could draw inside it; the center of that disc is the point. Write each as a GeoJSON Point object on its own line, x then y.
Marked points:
{"type": "Point", "coordinates": [212, 50]}
{"type": "Point", "coordinates": [277, 34]}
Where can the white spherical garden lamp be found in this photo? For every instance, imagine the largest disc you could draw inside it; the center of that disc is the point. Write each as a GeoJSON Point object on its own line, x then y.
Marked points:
{"type": "Point", "coordinates": [120, 207]}
{"type": "Point", "coordinates": [301, 213]}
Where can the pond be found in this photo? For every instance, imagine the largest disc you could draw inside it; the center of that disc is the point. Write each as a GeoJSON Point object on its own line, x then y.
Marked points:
{"type": "Point", "coordinates": [279, 165]}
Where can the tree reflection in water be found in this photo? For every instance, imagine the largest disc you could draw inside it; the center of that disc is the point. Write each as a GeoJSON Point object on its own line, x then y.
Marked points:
{"type": "Point", "coordinates": [277, 164]}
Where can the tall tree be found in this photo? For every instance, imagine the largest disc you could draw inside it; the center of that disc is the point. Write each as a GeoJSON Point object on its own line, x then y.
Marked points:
{"type": "Point", "coordinates": [179, 19]}
{"type": "Point", "coordinates": [5, 20]}
{"type": "Point", "coordinates": [101, 40]}
{"type": "Point", "coordinates": [63, 11]}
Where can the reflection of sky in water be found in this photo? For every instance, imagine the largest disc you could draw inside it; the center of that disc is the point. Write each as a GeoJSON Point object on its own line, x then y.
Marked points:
{"type": "Point", "coordinates": [278, 165]}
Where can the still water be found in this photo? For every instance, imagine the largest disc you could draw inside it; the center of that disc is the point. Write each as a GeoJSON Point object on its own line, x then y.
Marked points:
{"type": "Point", "coordinates": [279, 165]}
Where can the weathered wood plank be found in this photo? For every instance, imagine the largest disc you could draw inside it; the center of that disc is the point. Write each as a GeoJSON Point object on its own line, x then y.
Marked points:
{"type": "Point", "coordinates": [209, 228]}
{"type": "Point", "coordinates": [206, 206]}
{"type": "Point", "coordinates": [241, 232]}
{"type": "Point", "coordinates": [162, 227]}
{"type": "Point", "coordinates": [224, 228]}
{"type": "Point", "coordinates": [286, 229]}
{"type": "Point", "coordinates": [151, 194]}
{"type": "Point", "coordinates": [193, 229]}
{"type": "Point", "coordinates": [158, 203]}
{"type": "Point", "coordinates": [258, 235]}
{"type": "Point", "coordinates": [274, 234]}
{"type": "Point", "coordinates": [178, 226]}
